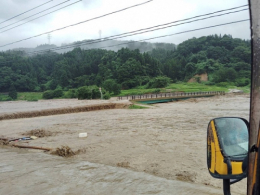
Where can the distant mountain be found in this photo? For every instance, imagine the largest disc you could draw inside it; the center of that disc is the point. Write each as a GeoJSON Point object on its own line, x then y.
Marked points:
{"type": "Point", "coordinates": [113, 45]}
{"type": "Point", "coordinates": [38, 48]}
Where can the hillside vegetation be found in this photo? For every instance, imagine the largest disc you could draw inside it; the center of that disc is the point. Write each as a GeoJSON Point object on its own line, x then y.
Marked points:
{"type": "Point", "coordinates": [224, 59]}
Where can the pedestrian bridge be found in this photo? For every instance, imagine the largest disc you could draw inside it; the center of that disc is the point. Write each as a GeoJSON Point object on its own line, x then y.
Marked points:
{"type": "Point", "coordinates": [169, 97]}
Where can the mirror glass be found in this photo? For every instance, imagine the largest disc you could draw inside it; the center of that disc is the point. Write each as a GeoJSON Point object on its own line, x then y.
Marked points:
{"type": "Point", "coordinates": [233, 136]}
{"type": "Point", "coordinates": [227, 147]}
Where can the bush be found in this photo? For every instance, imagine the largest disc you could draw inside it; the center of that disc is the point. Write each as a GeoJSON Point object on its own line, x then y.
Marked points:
{"type": "Point", "coordinates": [50, 85]}
{"type": "Point", "coordinates": [84, 93]}
{"type": "Point", "coordinates": [116, 89]}
{"type": "Point", "coordinates": [12, 92]}
{"type": "Point", "coordinates": [70, 94]}
{"type": "Point", "coordinates": [225, 75]}
{"type": "Point", "coordinates": [88, 92]}
{"type": "Point", "coordinates": [47, 94]}
{"type": "Point", "coordinates": [95, 92]}
{"type": "Point", "coordinates": [106, 96]}
{"type": "Point", "coordinates": [159, 82]}
{"type": "Point", "coordinates": [129, 84]}
{"type": "Point", "coordinates": [108, 85]}
{"type": "Point", "coordinates": [242, 82]}
{"type": "Point", "coordinates": [156, 91]}
{"type": "Point", "coordinates": [57, 93]}
{"type": "Point", "coordinates": [111, 86]}
{"type": "Point", "coordinates": [50, 94]}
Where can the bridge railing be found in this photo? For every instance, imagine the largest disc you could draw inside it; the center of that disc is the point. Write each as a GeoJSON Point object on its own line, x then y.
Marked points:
{"type": "Point", "coordinates": [165, 95]}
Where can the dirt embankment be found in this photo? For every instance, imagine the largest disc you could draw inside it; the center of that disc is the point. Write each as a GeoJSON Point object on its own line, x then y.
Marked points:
{"type": "Point", "coordinates": [57, 111]}
{"type": "Point", "coordinates": [202, 77]}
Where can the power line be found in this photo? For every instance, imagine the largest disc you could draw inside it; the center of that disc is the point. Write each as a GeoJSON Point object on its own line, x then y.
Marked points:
{"type": "Point", "coordinates": [187, 31]}
{"type": "Point", "coordinates": [164, 35]}
{"type": "Point", "coordinates": [80, 22]}
{"type": "Point", "coordinates": [39, 16]}
{"type": "Point", "coordinates": [33, 15]}
{"type": "Point", "coordinates": [26, 12]}
{"type": "Point", "coordinates": [107, 38]}
{"type": "Point", "coordinates": [81, 0]}
{"type": "Point", "coordinates": [136, 32]}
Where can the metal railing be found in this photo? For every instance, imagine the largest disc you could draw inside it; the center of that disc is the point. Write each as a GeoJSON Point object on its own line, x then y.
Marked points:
{"type": "Point", "coordinates": [170, 95]}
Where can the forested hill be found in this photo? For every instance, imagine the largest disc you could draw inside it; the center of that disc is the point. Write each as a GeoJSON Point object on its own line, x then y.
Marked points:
{"type": "Point", "coordinates": [113, 45]}
{"type": "Point", "coordinates": [223, 58]}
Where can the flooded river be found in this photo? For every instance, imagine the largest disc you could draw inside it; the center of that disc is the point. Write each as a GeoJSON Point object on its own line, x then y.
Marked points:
{"type": "Point", "coordinates": [160, 150]}
{"type": "Point", "coordinates": [39, 173]}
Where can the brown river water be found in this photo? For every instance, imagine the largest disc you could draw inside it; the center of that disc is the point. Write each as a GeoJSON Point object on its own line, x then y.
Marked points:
{"type": "Point", "coordinates": [38, 173]}
{"type": "Point", "coordinates": [160, 150]}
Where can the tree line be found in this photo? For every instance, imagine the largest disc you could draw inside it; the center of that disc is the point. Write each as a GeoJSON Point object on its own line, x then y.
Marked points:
{"type": "Point", "coordinates": [223, 58]}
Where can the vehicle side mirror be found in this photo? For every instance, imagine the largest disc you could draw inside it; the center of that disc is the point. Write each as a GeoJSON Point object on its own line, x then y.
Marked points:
{"type": "Point", "coordinates": [227, 147]}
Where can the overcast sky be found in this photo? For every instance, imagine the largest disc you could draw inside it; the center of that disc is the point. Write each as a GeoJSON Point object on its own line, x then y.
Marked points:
{"type": "Point", "coordinates": [154, 13]}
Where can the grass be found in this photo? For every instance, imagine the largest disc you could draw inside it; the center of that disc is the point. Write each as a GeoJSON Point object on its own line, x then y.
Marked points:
{"type": "Point", "coordinates": [134, 106]}
{"type": "Point", "coordinates": [184, 87]}
{"type": "Point", "coordinates": [29, 96]}
{"type": "Point", "coordinates": [139, 91]}
{"type": "Point", "coordinates": [195, 87]}
{"type": "Point", "coordinates": [5, 97]}
{"type": "Point", "coordinates": [246, 89]}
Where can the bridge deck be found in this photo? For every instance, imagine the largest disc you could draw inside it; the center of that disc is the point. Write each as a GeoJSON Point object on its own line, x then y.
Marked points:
{"type": "Point", "coordinates": [166, 97]}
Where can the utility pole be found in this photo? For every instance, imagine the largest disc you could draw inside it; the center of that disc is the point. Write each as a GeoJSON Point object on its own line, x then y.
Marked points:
{"type": "Point", "coordinates": [254, 7]}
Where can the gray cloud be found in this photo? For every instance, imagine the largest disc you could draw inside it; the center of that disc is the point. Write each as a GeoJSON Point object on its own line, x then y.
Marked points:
{"type": "Point", "coordinates": [154, 13]}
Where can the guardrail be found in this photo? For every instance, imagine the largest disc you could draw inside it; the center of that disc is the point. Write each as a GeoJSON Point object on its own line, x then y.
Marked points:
{"type": "Point", "coordinates": [165, 95]}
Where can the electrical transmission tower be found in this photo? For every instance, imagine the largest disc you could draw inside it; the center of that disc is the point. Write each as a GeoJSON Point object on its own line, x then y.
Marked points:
{"type": "Point", "coordinates": [100, 32]}
{"type": "Point", "coordinates": [49, 38]}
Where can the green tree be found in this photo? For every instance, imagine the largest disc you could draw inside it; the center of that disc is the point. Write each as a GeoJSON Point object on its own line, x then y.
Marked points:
{"type": "Point", "coordinates": [129, 67]}
{"type": "Point", "coordinates": [225, 75]}
{"type": "Point", "coordinates": [12, 92]}
{"type": "Point", "coordinates": [242, 54]}
{"type": "Point", "coordinates": [84, 93]}
{"type": "Point", "coordinates": [48, 94]}
{"type": "Point", "coordinates": [95, 93]}
{"type": "Point", "coordinates": [159, 82]}
{"type": "Point", "coordinates": [111, 86]}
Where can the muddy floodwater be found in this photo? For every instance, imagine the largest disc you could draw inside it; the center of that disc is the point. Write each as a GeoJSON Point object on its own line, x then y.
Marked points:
{"type": "Point", "coordinates": [160, 150]}
{"type": "Point", "coordinates": [45, 174]}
